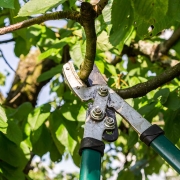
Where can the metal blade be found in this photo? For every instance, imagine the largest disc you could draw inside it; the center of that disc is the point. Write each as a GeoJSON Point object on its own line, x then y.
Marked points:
{"type": "Point", "coordinates": [96, 78]}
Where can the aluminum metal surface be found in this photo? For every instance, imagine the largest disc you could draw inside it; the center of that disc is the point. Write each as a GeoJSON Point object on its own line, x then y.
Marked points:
{"type": "Point", "coordinates": [76, 85]}
{"type": "Point", "coordinates": [139, 123]}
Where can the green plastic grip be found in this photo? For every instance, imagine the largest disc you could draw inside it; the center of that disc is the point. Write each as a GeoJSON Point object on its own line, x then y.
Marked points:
{"type": "Point", "coordinates": [168, 151]}
{"type": "Point", "coordinates": [90, 165]}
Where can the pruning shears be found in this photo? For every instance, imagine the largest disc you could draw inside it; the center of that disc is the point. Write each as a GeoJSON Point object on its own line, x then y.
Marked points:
{"type": "Point", "coordinates": [101, 123]}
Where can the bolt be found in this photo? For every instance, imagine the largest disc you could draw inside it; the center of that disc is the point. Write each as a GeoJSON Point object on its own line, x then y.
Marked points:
{"type": "Point", "coordinates": [103, 91]}
{"type": "Point", "coordinates": [97, 113]}
{"type": "Point", "coordinates": [67, 68]}
{"type": "Point", "coordinates": [109, 123]}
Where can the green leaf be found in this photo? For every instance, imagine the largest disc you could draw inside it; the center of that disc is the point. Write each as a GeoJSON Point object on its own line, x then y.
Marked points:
{"type": "Point", "coordinates": [3, 119]}
{"type": "Point", "coordinates": [49, 52]}
{"type": "Point", "coordinates": [8, 149]}
{"type": "Point", "coordinates": [9, 172]}
{"type": "Point", "coordinates": [163, 94]}
{"type": "Point", "coordinates": [125, 175]}
{"type": "Point", "coordinates": [103, 42]}
{"type": "Point", "coordinates": [37, 7]}
{"type": "Point", "coordinates": [14, 133]}
{"type": "Point", "coordinates": [77, 53]}
{"type": "Point", "coordinates": [64, 137]}
{"type": "Point", "coordinates": [21, 112]}
{"type": "Point", "coordinates": [55, 121]}
{"type": "Point", "coordinates": [38, 116]}
{"type": "Point", "coordinates": [173, 101]}
{"type": "Point", "coordinates": [49, 74]}
{"type": "Point", "coordinates": [7, 4]}
{"type": "Point", "coordinates": [54, 153]}
{"type": "Point", "coordinates": [132, 139]}
{"type": "Point", "coordinates": [43, 143]}
{"type": "Point", "coordinates": [13, 20]}
{"type": "Point", "coordinates": [149, 13]}
{"type": "Point", "coordinates": [122, 21]}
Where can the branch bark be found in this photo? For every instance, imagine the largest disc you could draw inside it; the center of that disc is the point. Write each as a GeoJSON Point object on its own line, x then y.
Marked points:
{"type": "Point", "coordinates": [142, 89]}
{"type": "Point", "coordinates": [25, 87]}
{"type": "Point", "coordinates": [74, 15]}
{"type": "Point", "coordinates": [88, 16]}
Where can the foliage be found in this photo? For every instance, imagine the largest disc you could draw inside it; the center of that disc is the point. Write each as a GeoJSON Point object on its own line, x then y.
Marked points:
{"type": "Point", "coordinates": [57, 127]}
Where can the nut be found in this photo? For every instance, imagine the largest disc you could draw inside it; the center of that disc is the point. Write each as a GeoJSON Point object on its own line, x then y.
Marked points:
{"type": "Point", "coordinates": [103, 91]}
{"type": "Point", "coordinates": [109, 123]}
{"type": "Point", "coordinates": [97, 114]}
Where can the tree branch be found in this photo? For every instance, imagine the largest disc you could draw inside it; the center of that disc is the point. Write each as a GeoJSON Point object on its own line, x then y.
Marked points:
{"type": "Point", "coordinates": [74, 15]}
{"type": "Point", "coordinates": [100, 6]}
{"type": "Point", "coordinates": [88, 16]}
{"type": "Point", "coordinates": [168, 44]}
{"type": "Point", "coordinates": [142, 89]}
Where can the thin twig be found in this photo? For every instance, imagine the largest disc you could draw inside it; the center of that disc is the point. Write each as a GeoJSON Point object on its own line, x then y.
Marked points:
{"type": "Point", "coordinates": [2, 55]}
{"type": "Point", "coordinates": [142, 89]}
{"type": "Point", "coordinates": [74, 15]}
{"type": "Point", "coordinates": [7, 41]}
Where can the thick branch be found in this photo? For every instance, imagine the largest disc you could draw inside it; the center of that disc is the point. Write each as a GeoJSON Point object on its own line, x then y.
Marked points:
{"type": "Point", "coordinates": [154, 51]}
{"type": "Point", "coordinates": [74, 15]}
{"type": "Point", "coordinates": [88, 22]}
{"type": "Point", "coordinates": [142, 89]}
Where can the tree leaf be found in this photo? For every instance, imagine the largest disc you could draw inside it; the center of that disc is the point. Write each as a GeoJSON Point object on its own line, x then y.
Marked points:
{"type": "Point", "coordinates": [122, 21]}
{"type": "Point", "coordinates": [103, 43]}
{"type": "Point", "coordinates": [3, 119]}
{"type": "Point", "coordinates": [9, 149]}
{"type": "Point", "coordinates": [7, 4]}
{"type": "Point", "coordinates": [21, 112]}
{"type": "Point", "coordinates": [64, 137]}
{"type": "Point", "coordinates": [37, 7]}
{"type": "Point", "coordinates": [173, 101]}
{"type": "Point", "coordinates": [43, 143]}
{"type": "Point", "coordinates": [14, 133]}
{"type": "Point", "coordinates": [13, 20]}
{"type": "Point", "coordinates": [77, 53]}
{"type": "Point", "coordinates": [38, 116]}
{"type": "Point", "coordinates": [49, 74]}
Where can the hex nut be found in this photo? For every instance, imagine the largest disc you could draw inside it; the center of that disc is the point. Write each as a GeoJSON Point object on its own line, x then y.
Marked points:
{"type": "Point", "coordinates": [109, 123]}
{"type": "Point", "coordinates": [97, 114]}
{"type": "Point", "coordinates": [103, 91]}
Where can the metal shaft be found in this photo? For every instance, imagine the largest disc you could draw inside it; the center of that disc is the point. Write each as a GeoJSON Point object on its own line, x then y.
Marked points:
{"type": "Point", "coordinates": [168, 151]}
{"type": "Point", "coordinates": [90, 165]}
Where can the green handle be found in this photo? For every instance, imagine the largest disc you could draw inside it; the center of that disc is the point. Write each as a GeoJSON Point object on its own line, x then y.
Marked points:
{"type": "Point", "coordinates": [90, 165]}
{"type": "Point", "coordinates": [168, 151]}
